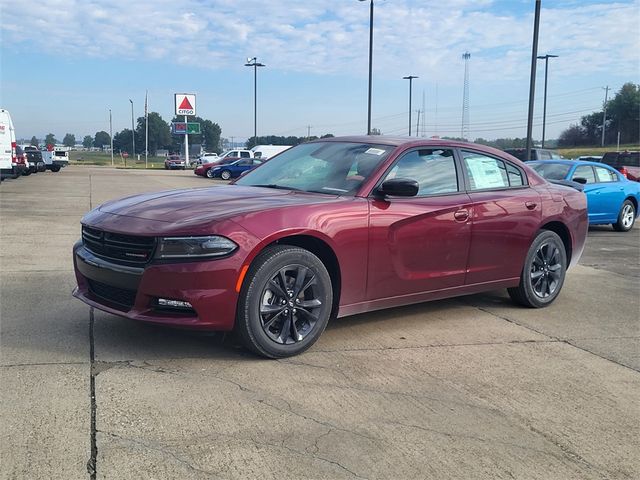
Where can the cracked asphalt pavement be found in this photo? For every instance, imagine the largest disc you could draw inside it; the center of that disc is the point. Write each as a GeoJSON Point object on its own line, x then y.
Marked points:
{"type": "Point", "coordinates": [472, 387]}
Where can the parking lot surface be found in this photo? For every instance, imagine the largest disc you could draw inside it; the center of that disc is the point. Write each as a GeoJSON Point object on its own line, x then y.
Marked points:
{"type": "Point", "coordinates": [473, 387]}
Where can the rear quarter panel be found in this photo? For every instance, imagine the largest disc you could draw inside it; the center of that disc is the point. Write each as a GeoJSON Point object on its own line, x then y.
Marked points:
{"type": "Point", "coordinates": [569, 207]}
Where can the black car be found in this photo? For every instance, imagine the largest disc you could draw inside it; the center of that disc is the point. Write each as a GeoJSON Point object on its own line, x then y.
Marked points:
{"type": "Point", "coordinates": [34, 161]}
{"type": "Point", "coordinates": [627, 163]}
{"type": "Point", "coordinates": [536, 154]}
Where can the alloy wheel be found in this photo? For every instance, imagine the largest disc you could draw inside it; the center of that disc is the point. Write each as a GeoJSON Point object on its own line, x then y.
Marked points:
{"type": "Point", "coordinates": [627, 216]}
{"type": "Point", "coordinates": [546, 270]}
{"type": "Point", "coordinates": [290, 304]}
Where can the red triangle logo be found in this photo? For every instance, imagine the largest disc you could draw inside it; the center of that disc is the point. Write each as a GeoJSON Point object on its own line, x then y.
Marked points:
{"type": "Point", "coordinates": [185, 105]}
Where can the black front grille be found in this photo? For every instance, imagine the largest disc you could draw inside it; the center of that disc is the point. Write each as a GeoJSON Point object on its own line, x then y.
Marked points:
{"type": "Point", "coordinates": [122, 297]}
{"type": "Point", "coordinates": [127, 249]}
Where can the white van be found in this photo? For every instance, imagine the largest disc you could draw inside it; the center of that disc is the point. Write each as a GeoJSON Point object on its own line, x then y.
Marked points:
{"type": "Point", "coordinates": [265, 152]}
{"type": "Point", "coordinates": [7, 145]}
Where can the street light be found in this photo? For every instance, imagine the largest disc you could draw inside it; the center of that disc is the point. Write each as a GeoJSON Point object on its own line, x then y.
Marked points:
{"type": "Point", "coordinates": [133, 133]}
{"type": "Point", "coordinates": [370, 64]}
{"type": "Point", "coordinates": [253, 62]}
{"type": "Point", "coordinates": [410, 78]}
{"type": "Point", "coordinates": [544, 108]}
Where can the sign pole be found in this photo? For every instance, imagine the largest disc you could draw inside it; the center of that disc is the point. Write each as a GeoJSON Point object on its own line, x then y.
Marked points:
{"type": "Point", "coordinates": [186, 145]}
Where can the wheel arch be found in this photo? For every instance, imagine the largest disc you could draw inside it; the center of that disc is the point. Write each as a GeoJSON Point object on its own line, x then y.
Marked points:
{"type": "Point", "coordinates": [321, 249]}
{"type": "Point", "coordinates": [565, 235]}
{"type": "Point", "coordinates": [633, 200]}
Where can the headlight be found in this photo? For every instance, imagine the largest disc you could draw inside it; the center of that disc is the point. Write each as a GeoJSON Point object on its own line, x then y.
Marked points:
{"type": "Point", "coordinates": [194, 247]}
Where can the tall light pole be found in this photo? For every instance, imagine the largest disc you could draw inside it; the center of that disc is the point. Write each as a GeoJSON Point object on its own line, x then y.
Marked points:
{"type": "Point", "coordinates": [133, 132]}
{"type": "Point", "coordinates": [544, 108]}
{"type": "Point", "coordinates": [604, 116]}
{"type": "Point", "coordinates": [370, 64]}
{"type": "Point", "coordinates": [410, 78]}
{"type": "Point", "coordinates": [532, 79]}
{"type": "Point", "coordinates": [253, 62]}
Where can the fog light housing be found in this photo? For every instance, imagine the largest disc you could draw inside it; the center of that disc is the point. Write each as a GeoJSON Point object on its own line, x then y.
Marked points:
{"type": "Point", "coordinates": [177, 304]}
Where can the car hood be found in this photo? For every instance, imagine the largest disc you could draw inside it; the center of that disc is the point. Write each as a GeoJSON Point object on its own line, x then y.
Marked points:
{"type": "Point", "coordinates": [203, 205]}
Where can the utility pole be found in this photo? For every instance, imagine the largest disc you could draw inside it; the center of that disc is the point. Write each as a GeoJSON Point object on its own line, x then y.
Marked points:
{"type": "Point", "coordinates": [111, 135]}
{"type": "Point", "coordinates": [604, 113]}
{"type": "Point", "coordinates": [233, 144]}
{"type": "Point", "coordinates": [532, 80]}
{"type": "Point", "coordinates": [418, 125]}
{"type": "Point", "coordinates": [308, 132]}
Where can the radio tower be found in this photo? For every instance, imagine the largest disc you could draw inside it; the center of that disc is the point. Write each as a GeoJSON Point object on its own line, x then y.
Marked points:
{"type": "Point", "coordinates": [464, 131]}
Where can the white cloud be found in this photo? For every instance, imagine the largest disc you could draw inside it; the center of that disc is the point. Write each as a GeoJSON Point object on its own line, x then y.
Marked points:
{"type": "Point", "coordinates": [318, 36]}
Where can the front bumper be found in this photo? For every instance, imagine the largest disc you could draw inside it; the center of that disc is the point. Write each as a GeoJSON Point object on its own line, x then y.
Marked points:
{"type": "Point", "coordinates": [132, 292]}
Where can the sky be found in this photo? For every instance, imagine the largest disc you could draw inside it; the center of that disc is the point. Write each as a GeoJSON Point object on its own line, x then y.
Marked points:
{"type": "Point", "coordinates": [65, 63]}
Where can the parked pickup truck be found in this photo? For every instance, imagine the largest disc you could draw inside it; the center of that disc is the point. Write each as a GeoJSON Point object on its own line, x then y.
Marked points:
{"type": "Point", "coordinates": [55, 159]}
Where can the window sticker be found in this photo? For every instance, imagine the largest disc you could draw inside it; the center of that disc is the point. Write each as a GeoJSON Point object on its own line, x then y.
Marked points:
{"type": "Point", "coordinates": [374, 151]}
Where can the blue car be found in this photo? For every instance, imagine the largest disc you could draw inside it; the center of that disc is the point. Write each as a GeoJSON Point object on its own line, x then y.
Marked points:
{"type": "Point", "coordinates": [235, 169]}
{"type": "Point", "coordinates": [611, 198]}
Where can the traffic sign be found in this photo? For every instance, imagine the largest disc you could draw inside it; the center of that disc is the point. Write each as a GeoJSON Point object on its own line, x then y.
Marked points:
{"type": "Point", "coordinates": [185, 103]}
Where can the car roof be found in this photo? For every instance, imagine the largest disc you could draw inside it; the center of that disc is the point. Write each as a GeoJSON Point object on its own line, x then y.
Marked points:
{"type": "Point", "coordinates": [574, 162]}
{"type": "Point", "coordinates": [409, 142]}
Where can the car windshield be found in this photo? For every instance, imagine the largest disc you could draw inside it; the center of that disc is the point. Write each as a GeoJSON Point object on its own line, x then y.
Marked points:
{"type": "Point", "coordinates": [551, 171]}
{"type": "Point", "coordinates": [336, 168]}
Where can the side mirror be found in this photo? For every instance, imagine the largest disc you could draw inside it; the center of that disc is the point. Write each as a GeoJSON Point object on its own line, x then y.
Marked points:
{"type": "Point", "coordinates": [398, 187]}
{"type": "Point", "coordinates": [581, 180]}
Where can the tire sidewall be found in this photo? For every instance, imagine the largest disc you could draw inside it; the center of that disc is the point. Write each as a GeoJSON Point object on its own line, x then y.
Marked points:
{"type": "Point", "coordinates": [263, 268]}
{"type": "Point", "coordinates": [544, 236]}
{"type": "Point", "coordinates": [225, 175]}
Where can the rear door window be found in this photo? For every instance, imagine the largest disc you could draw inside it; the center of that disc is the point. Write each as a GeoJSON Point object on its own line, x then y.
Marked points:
{"type": "Point", "coordinates": [605, 175]}
{"type": "Point", "coordinates": [487, 173]}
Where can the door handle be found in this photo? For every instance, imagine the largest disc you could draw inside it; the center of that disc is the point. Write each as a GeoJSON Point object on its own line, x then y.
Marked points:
{"type": "Point", "coordinates": [530, 205]}
{"type": "Point", "coordinates": [461, 215]}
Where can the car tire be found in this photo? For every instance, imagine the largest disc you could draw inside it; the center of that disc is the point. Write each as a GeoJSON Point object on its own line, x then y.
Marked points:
{"type": "Point", "coordinates": [225, 175]}
{"type": "Point", "coordinates": [209, 173]}
{"type": "Point", "coordinates": [626, 217]}
{"type": "Point", "coordinates": [55, 168]}
{"type": "Point", "coordinates": [543, 273]}
{"type": "Point", "coordinates": [285, 302]}
{"type": "Point", "coordinates": [26, 172]}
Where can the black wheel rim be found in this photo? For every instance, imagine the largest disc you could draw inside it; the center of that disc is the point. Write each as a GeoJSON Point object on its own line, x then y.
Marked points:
{"type": "Point", "coordinates": [290, 304]}
{"type": "Point", "coordinates": [546, 270]}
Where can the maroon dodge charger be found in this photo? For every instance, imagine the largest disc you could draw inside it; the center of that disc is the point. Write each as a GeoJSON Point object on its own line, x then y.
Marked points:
{"type": "Point", "coordinates": [331, 228]}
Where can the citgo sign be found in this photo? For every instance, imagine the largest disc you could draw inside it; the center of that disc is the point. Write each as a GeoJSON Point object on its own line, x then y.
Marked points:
{"type": "Point", "coordinates": [185, 103]}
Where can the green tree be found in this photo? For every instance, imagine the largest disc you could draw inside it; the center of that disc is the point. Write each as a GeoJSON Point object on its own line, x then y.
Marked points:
{"type": "Point", "coordinates": [50, 139]}
{"type": "Point", "coordinates": [87, 141]}
{"type": "Point", "coordinates": [101, 139]}
{"type": "Point", "coordinates": [623, 115]}
{"type": "Point", "coordinates": [69, 140]}
{"type": "Point", "coordinates": [159, 133]}
{"type": "Point", "coordinates": [574, 136]}
{"type": "Point", "coordinates": [623, 112]}
{"type": "Point", "coordinates": [34, 141]}
{"type": "Point", "coordinates": [122, 141]}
